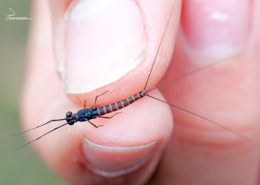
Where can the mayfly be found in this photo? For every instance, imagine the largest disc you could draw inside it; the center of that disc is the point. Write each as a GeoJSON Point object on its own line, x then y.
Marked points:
{"type": "Point", "coordinates": [88, 114]}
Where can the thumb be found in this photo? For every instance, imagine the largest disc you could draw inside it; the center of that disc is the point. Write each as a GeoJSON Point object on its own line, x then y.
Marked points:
{"type": "Point", "coordinates": [99, 45]}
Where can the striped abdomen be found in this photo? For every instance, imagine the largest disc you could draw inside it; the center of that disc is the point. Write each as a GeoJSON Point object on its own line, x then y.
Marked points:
{"type": "Point", "coordinates": [120, 104]}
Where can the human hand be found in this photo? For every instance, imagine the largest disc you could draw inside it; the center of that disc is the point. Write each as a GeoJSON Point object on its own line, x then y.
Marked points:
{"type": "Point", "coordinates": [98, 49]}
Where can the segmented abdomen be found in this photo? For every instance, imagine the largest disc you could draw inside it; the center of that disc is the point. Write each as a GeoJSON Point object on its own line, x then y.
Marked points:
{"type": "Point", "coordinates": [120, 104]}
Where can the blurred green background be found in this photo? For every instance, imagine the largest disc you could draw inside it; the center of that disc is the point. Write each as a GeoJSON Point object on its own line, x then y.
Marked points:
{"type": "Point", "coordinates": [23, 167]}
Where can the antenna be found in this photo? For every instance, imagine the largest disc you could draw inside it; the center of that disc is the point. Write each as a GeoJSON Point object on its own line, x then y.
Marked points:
{"type": "Point", "coordinates": [32, 141]}
{"type": "Point", "coordinates": [19, 133]}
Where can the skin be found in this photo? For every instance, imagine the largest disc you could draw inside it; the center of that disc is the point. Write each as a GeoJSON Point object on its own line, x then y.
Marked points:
{"type": "Point", "coordinates": [188, 150]}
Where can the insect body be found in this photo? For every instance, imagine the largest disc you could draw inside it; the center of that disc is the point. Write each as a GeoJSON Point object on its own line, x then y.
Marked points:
{"type": "Point", "coordinates": [88, 114]}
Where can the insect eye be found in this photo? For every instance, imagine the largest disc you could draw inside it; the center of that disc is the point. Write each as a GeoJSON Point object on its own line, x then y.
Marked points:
{"type": "Point", "coordinates": [69, 114]}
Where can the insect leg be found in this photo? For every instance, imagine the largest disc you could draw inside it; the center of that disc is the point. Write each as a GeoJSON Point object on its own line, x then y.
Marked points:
{"type": "Point", "coordinates": [97, 126]}
{"type": "Point", "coordinates": [109, 117]}
{"type": "Point", "coordinates": [85, 106]}
{"type": "Point", "coordinates": [97, 98]}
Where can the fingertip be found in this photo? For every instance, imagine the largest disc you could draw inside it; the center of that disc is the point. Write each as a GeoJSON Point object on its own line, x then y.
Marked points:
{"type": "Point", "coordinates": [130, 143]}
{"type": "Point", "coordinates": [106, 64]}
{"type": "Point", "coordinates": [225, 93]}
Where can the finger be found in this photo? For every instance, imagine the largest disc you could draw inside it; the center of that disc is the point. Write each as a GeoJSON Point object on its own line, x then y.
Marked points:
{"type": "Point", "coordinates": [117, 39]}
{"type": "Point", "coordinates": [228, 93]}
{"type": "Point", "coordinates": [129, 145]}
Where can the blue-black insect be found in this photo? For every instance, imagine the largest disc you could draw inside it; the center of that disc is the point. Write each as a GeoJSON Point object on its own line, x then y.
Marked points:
{"type": "Point", "coordinates": [88, 114]}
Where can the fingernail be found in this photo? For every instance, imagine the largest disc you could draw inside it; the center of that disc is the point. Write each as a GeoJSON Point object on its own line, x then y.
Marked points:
{"type": "Point", "coordinates": [216, 29]}
{"type": "Point", "coordinates": [113, 161]}
{"type": "Point", "coordinates": [104, 40]}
